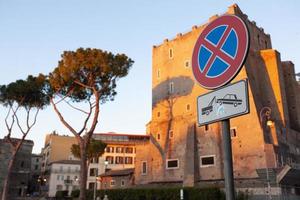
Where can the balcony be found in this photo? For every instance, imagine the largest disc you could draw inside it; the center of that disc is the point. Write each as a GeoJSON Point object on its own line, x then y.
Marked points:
{"type": "Point", "coordinates": [68, 182]}
{"type": "Point", "coordinates": [65, 171]}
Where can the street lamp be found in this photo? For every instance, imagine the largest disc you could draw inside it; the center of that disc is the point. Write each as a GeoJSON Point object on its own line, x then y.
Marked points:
{"type": "Point", "coordinates": [265, 112]}
{"type": "Point", "coordinates": [105, 165]}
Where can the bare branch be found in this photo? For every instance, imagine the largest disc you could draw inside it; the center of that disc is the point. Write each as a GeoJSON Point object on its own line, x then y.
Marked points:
{"type": "Point", "coordinates": [87, 119]}
{"type": "Point", "coordinates": [27, 117]}
{"type": "Point", "coordinates": [96, 115]}
{"type": "Point", "coordinates": [83, 85]}
{"type": "Point", "coordinates": [9, 127]}
{"type": "Point", "coordinates": [34, 120]}
{"type": "Point", "coordinates": [66, 96]}
{"type": "Point", "coordinates": [76, 108]}
{"type": "Point", "coordinates": [62, 118]}
{"type": "Point", "coordinates": [18, 122]}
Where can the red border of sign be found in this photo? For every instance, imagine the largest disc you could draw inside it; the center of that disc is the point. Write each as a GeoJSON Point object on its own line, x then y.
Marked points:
{"type": "Point", "coordinates": [241, 29]}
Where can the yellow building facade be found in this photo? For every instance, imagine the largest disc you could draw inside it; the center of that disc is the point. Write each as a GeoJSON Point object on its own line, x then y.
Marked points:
{"type": "Point", "coordinates": [180, 152]}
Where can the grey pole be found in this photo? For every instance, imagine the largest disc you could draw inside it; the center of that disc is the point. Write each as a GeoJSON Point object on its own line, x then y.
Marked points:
{"type": "Point", "coordinates": [228, 167]}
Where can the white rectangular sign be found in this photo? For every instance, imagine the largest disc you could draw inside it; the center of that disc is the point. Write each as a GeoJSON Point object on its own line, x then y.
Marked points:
{"type": "Point", "coordinates": [227, 102]}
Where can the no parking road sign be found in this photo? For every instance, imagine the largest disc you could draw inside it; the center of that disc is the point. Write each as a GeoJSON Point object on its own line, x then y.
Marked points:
{"type": "Point", "coordinates": [218, 56]}
{"type": "Point", "coordinates": [220, 51]}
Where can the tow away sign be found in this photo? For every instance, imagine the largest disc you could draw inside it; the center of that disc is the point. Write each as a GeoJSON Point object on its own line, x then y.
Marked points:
{"type": "Point", "coordinates": [224, 103]}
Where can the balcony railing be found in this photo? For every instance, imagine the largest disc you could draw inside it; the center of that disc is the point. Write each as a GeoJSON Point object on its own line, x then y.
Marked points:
{"type": "Point", "coordinates": [65, 171]}
{"type": "Point", "coordinates": [68, 182]}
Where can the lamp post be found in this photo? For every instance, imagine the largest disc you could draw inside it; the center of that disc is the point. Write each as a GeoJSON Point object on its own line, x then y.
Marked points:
{"type": "Point", "coordinates": [265, 112]}
{"type": "Point", "coordinates": [95, 185]}
{"type": "Point", "coordinates": [105, 165]}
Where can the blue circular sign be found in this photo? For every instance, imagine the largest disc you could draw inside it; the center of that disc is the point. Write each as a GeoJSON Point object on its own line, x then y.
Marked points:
{"type": "Point", "coordinates": [220, 51]}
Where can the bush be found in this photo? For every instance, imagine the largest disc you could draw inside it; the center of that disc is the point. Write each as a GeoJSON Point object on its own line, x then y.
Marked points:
{"type": "Point", "coordinates": [61, 194]}
{"type": "Point", "coordinates": [156, 194]}
{"type": "Point", "coordinates": [75, 193]}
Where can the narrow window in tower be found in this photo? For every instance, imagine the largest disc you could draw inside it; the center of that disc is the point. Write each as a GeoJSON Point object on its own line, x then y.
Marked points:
{"type": "Point", "coordinates": [233, 132]}
{"type": "Point", "coordinates": [158, 114]}
{"type": "Point", "coordinates": [144, 168]}
{"type": "Point", "coordinates": [266, 44]}
{"type": "Point", "coordinates": [206, 127]}
{"type": "Point", "coordinates": [188, 107]}
{"type": "Point", "coordinates": [171, 88]}
{"type": "Point", "coordinates": [258, 40]}
{"type": "Point", "coordinates": [171, 134]}
{"type": "Point", "coordinates": [158, 136]}
{"type": "Point", "coordinates": [187, 64]}
{"type": "Point", "coordinates": [170, 53]}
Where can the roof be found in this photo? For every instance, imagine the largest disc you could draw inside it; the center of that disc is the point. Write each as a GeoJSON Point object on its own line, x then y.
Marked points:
{"type": "Point", "coordinates": [121, 134]}
{"type": "Point", "coordinates": [122, 172]}
{"type": "Point", "coordinates": [69, 162]}
{"type": "Point", "coordinates": [5, 139]}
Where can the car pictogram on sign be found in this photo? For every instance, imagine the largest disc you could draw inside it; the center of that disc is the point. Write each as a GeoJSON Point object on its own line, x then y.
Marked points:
{"type": "Point", "coordinates": [230, 99]}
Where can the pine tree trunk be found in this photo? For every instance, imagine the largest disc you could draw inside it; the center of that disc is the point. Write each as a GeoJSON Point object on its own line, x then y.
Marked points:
{"type": "Point", "coordinates": [83, 171]}
{"type": "Point", "coordinates": [7, 179]}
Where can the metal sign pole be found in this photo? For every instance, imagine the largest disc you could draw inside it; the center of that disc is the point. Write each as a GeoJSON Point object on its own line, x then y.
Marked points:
{"type": "Point", "coordinates": [228, 167]}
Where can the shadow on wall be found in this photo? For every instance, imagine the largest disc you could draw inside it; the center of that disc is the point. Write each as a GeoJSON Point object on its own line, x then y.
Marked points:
{"type": "Point", "coordinates": [171, 88]}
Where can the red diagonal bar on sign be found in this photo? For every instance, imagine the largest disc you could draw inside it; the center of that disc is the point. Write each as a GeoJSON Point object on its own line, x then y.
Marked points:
{"type": "Point", "coordinates": [216, 51]}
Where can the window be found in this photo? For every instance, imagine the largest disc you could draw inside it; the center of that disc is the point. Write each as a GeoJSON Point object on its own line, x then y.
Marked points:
{"type": "Point", "coordinates": [110, 159]}
{"type": "Point", "coordinates": [119, 160]}
{"type": "Point", "coordinates": [122, 183]}
{"type": "Point", "coordinates": [128, 150]}
{"type": "Point", "coordinates": [266, 44]}
{"type": "Point", "coordinates": [158, 73]}
{"type": "Point", "coordinates": [188, 107]}
{"type": "Point", "coordinates": [144, 167]}
{"type": "Point", "coordinates": [112, 183]}
{"type": "Point", "coordinates": [95, 160]}
{"type": "Point", "coordinates": [158, 136]}
{"type": "Point", "coordinates": [128, 160]}
{"type": "Point", "coordinates": [233, 133]}
{"type": "Point", "coordinates": [187, 64]}
{"type": "Point", "coordinates": [62, 177]}
{"type": "Point", "coordinates": [91, 186]}
{"type": "Point", "coordinates": [61, 168]}
{"type": "Point", "coordinates": [36, 167]}
{"type": "Point", "coordinates": [109, 149]}
{"type": "Point", "coordinates": [119, 149]}
{"type": "Point", "coordinates": [57, 178]}
{"type": "Point", "coordinates": [171, 53]}
{"type": "Point", "coordinates": [22, 164]}
{"type": "Point", "coordinates": [158, 114]}
{"type": "Point", "coordinates": [93, 171]}
{"type": "Point", "coordinates": [37, 160]}
{"type": "Point", "coordinates": [171, 134]}
{"type": "Point", "coordinates": [69, 169]}
{"type": "Point", "coordinates": [206, 127]}
{"type": "Point", "coordinates": [172, 163]}
{"type": "Point", "coordinates": [207, 161]}
{"type": "Point", "coordinates": [171, 88]}
{"type": "Point", "coordinates": [59, 187]}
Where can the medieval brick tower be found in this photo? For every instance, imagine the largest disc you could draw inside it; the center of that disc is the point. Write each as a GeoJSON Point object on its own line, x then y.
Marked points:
{"type": "Point", "coordinates": [180, 152]}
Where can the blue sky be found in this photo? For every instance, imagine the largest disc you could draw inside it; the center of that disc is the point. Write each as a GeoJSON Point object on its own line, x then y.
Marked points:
{"type": "Point", "coordinates": [34, 33]}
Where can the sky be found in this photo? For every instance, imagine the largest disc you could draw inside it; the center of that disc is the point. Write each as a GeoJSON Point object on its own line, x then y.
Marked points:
{"type": "Point", "coordinates": [34, 33]}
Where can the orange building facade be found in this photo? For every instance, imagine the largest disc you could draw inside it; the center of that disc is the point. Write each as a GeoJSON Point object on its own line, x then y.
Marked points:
{"type": "Point", "coordinates": [265, 142]}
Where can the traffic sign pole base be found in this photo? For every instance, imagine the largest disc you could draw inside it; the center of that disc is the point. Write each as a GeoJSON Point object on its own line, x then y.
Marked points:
{"type": "Point", "coordinates": [228, 166]}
